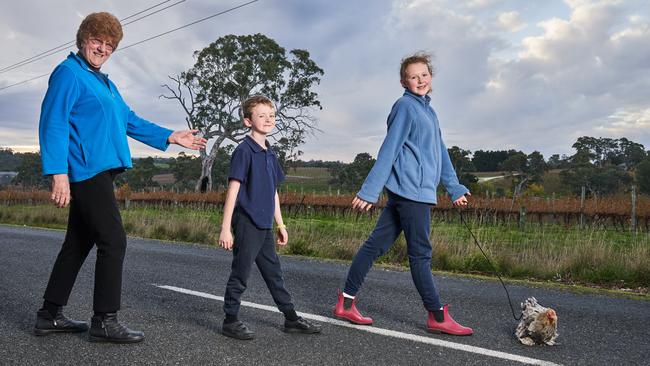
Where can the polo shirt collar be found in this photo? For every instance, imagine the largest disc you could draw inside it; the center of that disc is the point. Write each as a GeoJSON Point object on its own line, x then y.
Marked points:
{"type": "Point", "coordinates": [255, 146]}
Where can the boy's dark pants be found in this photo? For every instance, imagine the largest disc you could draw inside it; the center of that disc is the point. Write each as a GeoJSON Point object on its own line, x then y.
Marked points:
{"type": "Point", "coordinates": [254, 245]}
{"type": "Point", "coordinates": [94, 218]}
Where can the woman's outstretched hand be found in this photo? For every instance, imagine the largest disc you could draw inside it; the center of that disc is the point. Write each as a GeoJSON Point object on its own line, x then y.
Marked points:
{"type": "Point", "coordinates": [187, 139]}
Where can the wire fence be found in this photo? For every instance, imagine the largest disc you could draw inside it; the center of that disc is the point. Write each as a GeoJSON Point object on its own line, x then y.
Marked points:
{"type": "Point", "coordinates": [620, 213]}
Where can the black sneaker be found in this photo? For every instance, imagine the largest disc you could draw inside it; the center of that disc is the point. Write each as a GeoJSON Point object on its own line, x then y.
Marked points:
{"type": "Point", "coordinates": [106, 328]}
{"type": "Point", "coordinates": [237, 330]}
{"type": "Point", "coordinates": [301, 325]}
{"type": "Point", "coordinates": [47, 324]}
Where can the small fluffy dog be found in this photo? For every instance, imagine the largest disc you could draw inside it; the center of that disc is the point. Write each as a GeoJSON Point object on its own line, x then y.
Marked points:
{"type": "Point", "coordinates": [538, 324]}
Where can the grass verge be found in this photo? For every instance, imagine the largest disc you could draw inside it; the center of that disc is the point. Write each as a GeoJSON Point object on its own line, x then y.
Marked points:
{"type": "Point", "coordinates": [551, 254]}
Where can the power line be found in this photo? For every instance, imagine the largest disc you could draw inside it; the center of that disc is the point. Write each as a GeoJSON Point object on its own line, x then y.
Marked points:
{"type": "Point", "coordinates": [23, 82]}
{"type": "Point", "coordinates": [69, 44]}
{"type": "Point", "coordinates": [150, 38]}
{"type": "Point", "coordinates": [152, 13]}
{"type": "Point", "coordinates": [188, 24]}
{"type": "Point", "coordinates": [147, 9]}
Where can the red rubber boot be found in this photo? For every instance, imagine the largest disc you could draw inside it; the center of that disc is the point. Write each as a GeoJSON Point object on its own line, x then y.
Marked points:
{"type": "Point", "coordinates": [352, 314]}
{"type": "Point", "coordinates": [448, 326]}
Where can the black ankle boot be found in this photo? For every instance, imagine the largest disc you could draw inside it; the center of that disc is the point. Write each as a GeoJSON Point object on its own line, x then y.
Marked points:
{"type": "Point", "coordinates": [106, 328]}
{"type": "Point", "coordinates": [47, 324]}
{"type": "Point", "coordinates": [237, 330]}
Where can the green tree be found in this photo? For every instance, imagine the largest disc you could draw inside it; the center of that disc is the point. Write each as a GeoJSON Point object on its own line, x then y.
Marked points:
{"type": "Point", "coordinates": [596, 180]}
{"type": "Point", "coordinates": [140, 176]}
{"type": "Point", "coordinates": [9, 161]}
{"type": "Point", "coordinates": [351, 176]}
{"type": "Point", "coordinates": [601, 164]}
{"type": "Point", "coordinates": [609, 180]}
{"type": "Point", "coordinates": [230, 70]}
{"type": "Point", "coordinates": [606, 151]}
{"type": "Point", "coordinates": [558, 162]}
{"type": "Point", "coordinates": [287, 150]}
{"type": "Point", "coordinates": [516, 164]}
{"type": "Point", "coordinates": [595, 149]}
{"type": "Point", "coordinates": [186, 170]}
{"type": "Point", "coordinates": [643, 176]}
{"type": "Point", "coordinates": [488, 161]}
{"type": "Point", "coordinates": [30, 173]}
{"type": "Point", "coordinates": [221, 167]}
{"type": "Point", "coordinates": [536, 166]}
{"type": "Point", "coordinates": [462, 163]}
{"type": "Point", "coordinates": [631, 153]}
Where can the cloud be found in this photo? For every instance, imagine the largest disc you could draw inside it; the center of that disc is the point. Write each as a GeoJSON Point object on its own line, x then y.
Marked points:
{"type": "Point", "coordinates": [633, 124]}
{"type": "Point", "coordinates": [511, 21]}
{"type": "Point", "coordinates": [572, 79]}
{"type": "Point", "coordinates": [510, 74]}
{"type": "Point", "coordinates": [480, 4]}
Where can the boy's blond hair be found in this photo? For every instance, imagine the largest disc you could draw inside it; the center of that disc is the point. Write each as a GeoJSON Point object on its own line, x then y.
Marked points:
{"type": "Point", "coordinates": [250, 103]}
{"type": "Point", "coordinates": [416, 58]}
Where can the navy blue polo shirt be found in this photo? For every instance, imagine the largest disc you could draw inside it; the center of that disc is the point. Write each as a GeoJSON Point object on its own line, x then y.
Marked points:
{"type": "Point", "coordinates": [259, 172]}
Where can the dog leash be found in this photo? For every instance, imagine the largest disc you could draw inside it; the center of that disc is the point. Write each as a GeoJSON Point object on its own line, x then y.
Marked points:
{"type": "Point", "coordinates": [462, 219]}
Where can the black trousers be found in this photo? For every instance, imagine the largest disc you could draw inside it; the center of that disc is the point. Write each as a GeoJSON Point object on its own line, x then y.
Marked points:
{"type": "Point", "coordinates": [94, 219]}
{"type": "Point", "coordinates": [254, 245]}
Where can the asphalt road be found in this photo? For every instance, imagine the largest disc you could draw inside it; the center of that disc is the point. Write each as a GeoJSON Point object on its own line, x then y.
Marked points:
{"type": "Point", "coordinates": [171, 292]}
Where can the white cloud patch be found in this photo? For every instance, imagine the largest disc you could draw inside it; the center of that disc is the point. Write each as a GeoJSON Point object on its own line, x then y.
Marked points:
{"type": "Point", "coordinates": [481, 4]}
{"type": "Point", "coordinates": [511, 21]}
{"type": "Point", "coordinates": [627, 122]}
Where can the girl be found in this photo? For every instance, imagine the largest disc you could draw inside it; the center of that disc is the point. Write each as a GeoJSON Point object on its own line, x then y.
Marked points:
{"type": "Point", "coordinates": [411, 162]}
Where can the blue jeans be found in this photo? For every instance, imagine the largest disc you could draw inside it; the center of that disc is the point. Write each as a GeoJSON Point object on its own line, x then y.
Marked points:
{"type": "Point", "coordinates": [414, 219]}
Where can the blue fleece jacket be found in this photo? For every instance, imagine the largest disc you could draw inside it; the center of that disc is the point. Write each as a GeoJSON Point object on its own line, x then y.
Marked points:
{"type": "Point", "coordinates": [413, 159]}
{"type": "Point", "coordinates": [85, 122]}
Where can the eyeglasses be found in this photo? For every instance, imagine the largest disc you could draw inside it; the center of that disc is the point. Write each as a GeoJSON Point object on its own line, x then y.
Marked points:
{"type": "Point", "coordinates": [96, 42]}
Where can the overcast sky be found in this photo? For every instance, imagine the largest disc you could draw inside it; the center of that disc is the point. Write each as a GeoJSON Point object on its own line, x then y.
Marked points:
{"type": "Point", "coordinates": [511, 74]}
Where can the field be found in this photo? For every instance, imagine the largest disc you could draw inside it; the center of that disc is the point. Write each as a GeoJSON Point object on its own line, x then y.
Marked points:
{"type": "Point", "coordinates": [545, 251]}
{"type": "Point", "coordinates": [308, 180]}
{"type": "Point", "coordinates": [560, 240]}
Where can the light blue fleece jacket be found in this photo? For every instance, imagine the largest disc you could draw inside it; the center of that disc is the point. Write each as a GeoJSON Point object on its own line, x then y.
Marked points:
{"type": "Point", "coordinates": [413, 159]}
{"type": "Point", "coordinates": [85, 122]}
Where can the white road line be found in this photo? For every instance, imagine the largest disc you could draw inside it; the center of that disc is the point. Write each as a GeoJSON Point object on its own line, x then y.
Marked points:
{"type": "Point", "coordinates": [380, 331]}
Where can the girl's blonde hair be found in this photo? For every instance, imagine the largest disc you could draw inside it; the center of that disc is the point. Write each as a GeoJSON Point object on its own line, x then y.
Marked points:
{"type": "Point", "coordinates": [416, 58]}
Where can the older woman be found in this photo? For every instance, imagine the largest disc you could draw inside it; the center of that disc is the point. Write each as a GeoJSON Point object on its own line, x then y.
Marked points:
{"type": "Point", "coordinates": [83, 133]}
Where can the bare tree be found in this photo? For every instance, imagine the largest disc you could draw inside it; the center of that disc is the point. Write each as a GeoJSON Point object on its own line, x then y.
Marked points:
{"type": "Point", "coordinates": [230, 70]}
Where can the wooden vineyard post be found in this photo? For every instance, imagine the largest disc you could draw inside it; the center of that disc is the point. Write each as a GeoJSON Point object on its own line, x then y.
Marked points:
{"type": "Point", "coordinates": [553, 208]}
{"type": "Point", "coordinates": [582, 208]}
{"type": "Point", "coordinates": [522, 217]}
{"type": "Point", "coordinates": [633, 222]}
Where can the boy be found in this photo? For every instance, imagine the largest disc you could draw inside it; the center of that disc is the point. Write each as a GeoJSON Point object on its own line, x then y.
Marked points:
{"type": "Point", "coordinates": [252, 203]}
